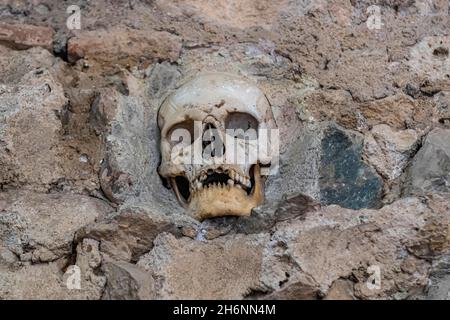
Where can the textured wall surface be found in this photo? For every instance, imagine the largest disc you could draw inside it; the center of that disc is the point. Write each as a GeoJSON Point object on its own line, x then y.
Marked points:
{"type": "Point", "coordinates": [360, 207]}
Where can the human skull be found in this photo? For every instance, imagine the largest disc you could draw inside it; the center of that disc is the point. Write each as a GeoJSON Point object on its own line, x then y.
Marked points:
{"type": "Point", "coordinates": [230, 113]}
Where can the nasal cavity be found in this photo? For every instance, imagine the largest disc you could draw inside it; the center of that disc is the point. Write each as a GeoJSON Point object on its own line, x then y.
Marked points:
{"type": "Point", "coordinates": [212, 144]}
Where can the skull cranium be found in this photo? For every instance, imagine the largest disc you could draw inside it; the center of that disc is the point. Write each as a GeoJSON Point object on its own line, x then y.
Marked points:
{"type": "Point", "coordinates": [208, 108]}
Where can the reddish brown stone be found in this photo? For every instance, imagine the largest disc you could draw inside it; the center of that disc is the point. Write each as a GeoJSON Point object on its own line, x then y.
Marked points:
{"type": "Point", "coordinates": [124, 46]}
{"type": "Point", "coordinates": [24, 36]}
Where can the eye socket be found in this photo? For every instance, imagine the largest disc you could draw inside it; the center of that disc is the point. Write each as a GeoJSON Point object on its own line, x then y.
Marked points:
{"type": "Point", "coordinates": [242, 125]}
{"type": "Point", "coordinates": [182, 132]}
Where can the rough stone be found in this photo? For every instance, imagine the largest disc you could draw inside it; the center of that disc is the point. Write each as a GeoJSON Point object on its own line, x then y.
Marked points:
{"type": "Point", "coordinates": [42, 281]}
{"type": "Point", "coordinates": [225, 268]}
{"type": "Point", "coordinates": [29, 129]}
{"type": "Point", "coordinates": [299, 165]}
{"type": "Point", "coordinates": [127, 126]}
{"type": "Point", "coordinates": [129, 163]}
{"type": "Point", "coordinates": [333, 105]}
{"type": "Point", "coordinates": [316, 61]}
{"type": "Point", "coordinates": [161, 78]}
{"type": "Point", "coordinates": [130, 233]}
{"type": "Point", "coordinates": [41, 227]}
{"type": "Point", "coordinates": [341, 290]}
{"type": "Point", "coordinates": [439, 286]}
{"type": "Point", "coordinates": [88, 261]}
{"type": "Point", "coordinates": [35, 148]}
{"type": "Point", "coordinates": [235, 13]}
{"type": "Point", "coordinates": [344, 178]}
{"type": "Point", "coordinates": [323, 253]}
{"type": "Point", "coordinates": [38, 282]}
{"type": "Point", "coordinates": [430, 58]}
{"type": "Point", "coordinates": [7, 257]}
{"type": "Point", "coordinates": [263, 218]}
{"type": "Point", "coordinates": [396, 111]}
{"type": "Point", "coordinates": [364, 238]}
{"type": "Point", "coordinates": [124, 46]}
{"type": "Point", "coordinates": [50, 281]}
{"type": "Point", "coordinates": [125, 281]}
{"type": "Point", "coordinates": [430, 168]}
{"type": "Point", "coordinates": [442, 100]}
{"type": "Point", "coordinates": [389, 151]}
{"type": "Point", "coordinates": [23, 36]}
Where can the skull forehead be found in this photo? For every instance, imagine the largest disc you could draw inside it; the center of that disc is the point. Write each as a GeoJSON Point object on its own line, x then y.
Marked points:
{"type": "Point", "coordinates": [213, 93]}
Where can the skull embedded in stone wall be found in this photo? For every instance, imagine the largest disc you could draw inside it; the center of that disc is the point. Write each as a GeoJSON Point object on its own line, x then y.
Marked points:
{"type": "Point", "coordinates": [211, 142]}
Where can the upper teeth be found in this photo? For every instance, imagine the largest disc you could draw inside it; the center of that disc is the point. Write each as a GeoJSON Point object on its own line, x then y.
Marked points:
{"type": "Point", "coordinates": [236, 179]}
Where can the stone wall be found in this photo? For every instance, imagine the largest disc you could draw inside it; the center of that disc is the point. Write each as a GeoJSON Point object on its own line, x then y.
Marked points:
{"type": "Point", "coordinates": [359, 209]}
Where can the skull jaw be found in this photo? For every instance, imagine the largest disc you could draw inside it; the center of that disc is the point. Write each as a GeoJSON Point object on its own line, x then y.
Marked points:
{"type": "Point", "coordinates": [218, 199]}
{"type": "Point", "coordinates": [223, 201]}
